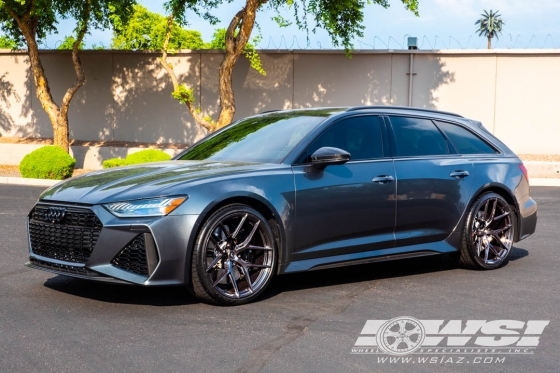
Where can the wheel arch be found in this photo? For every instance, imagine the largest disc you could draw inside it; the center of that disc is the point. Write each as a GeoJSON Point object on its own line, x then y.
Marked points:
{"type": "Point", "coordinates": [506, 194]}
{"type": "Point", "coordinates": [255, 201]}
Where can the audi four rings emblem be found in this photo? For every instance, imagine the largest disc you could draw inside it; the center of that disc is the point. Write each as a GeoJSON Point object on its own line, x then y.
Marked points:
{"type": "Point", "coordinates": [55, 214]}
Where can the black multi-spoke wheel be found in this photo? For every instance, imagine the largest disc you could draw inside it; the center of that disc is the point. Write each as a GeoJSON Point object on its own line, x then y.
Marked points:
{"type": "Point", "coordinates": [234, 257]}
{"type": "Point", "coordinates": [488, 233]}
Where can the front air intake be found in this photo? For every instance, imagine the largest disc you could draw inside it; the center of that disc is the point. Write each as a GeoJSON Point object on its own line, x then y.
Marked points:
{"type": "Point", "coordinates": [139, 256]}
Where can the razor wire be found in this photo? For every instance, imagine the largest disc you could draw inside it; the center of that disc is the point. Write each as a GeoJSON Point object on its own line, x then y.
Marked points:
{"type": "Point", "coordinates": [374, 42]}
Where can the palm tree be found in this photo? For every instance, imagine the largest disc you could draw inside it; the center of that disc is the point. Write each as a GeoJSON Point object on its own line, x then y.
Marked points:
{"type": "Point", "coordinates": [489, 25]}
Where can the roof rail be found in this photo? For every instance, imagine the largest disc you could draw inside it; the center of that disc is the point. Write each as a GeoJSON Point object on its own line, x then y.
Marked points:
{"type": "Point", "coordinates": [404, 108]}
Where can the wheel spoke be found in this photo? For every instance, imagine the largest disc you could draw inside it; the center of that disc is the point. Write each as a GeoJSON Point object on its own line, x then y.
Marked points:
{"type": "Point", "coordinates": [501, 216]}
{"type": "Point", "coordinates": [217, 245]}
{"type": "Point", "coordinates": [416, 330]}
{"type": "Point", "coordinates": [251, 265]}
{"type": "Point", "coordinates": [252, 247]}
{"type": "Point", "coordinates": [493, 213]}
{"type": "Point", "coordinates": [248, 239]}
{"type": "Point", "coordinates": [235, 288]}
{"type": "Point", "coordinates": [247, 277]}
{"type": "Point", "coordinates": [402, 326]}
{"type": "Point", "coordinates": [499, 240]}
{"type": "Point", "coordinates": [486, 252]}
{"type": "Point", "coordinates": [407, 341]}
{"type": "Point", "coordinates": [236, 232]}
{"type": "Point", "coordinates": [390, 333]}
{"type": "Point", "coordinates": [478, 246]}
{"type": "Point", "coordinates": [213, 264]}
{"type": "Point", "coordinates": [485, 217]}
{"type": "Point", "coordinates": [224, 274]}
{"type": "Point", "coordinates": [496, 252]}
{"type": "Point", "coordinates": [395, 344]}
{"type": "Point", "coordinates": [498, 231]}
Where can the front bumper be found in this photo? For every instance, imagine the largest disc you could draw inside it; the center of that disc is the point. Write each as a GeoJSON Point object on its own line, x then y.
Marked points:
{"type": "Point", "coordinates": [145, 251]}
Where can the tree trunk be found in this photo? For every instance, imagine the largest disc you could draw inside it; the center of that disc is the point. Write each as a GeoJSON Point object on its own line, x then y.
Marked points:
{"type": "Point", "coordinates": [242, 24]}
{"type": "Point", "coordinates": [169, 69]}
{"type": "Point", "coordinates": [58, 115]}
{"type": "Point", "coordinates": [489, 42]}
{"type": "Point", "coordinates": [237, 37]}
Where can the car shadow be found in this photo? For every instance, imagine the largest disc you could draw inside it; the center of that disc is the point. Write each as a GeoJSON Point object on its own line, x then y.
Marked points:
{"type": "Point", "coordinates": [164, 296]}
{"type": "Point", "coordinates": [372, 272]}
{"type": "Point", "coordinates": [161, 296]}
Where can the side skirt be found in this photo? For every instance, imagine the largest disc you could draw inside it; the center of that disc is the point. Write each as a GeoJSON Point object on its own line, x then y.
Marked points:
{"type": "Point", "coordinates": [373, 256]}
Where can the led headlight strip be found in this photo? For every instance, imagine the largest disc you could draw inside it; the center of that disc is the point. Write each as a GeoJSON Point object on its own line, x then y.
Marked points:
{"type": "Point", "coordinates": [145, 207]}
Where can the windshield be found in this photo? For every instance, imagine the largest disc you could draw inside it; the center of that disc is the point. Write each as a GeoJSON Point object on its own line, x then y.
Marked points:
{"type": "Point", "coordinates": [265, 138]}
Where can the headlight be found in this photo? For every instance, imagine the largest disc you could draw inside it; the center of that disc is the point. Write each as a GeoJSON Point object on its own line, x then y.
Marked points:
{"type": "Point", "coordinates": [145, 207]}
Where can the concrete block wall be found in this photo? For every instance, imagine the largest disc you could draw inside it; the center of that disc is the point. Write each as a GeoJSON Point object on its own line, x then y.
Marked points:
{"type": "Point", "coordinates": [127, 96]}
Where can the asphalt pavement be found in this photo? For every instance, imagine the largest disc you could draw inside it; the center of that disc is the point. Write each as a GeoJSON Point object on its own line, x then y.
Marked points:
{"type": "Point", "coordinates": [306, 322]}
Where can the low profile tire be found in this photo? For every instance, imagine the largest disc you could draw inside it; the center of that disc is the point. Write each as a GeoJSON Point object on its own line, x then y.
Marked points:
{"type": "Point", "coordinates": [488, 233]}
{"type": "Point", "coordinates": [234, 258]}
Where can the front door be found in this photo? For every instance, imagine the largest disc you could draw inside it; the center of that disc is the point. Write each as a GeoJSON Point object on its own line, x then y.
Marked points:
{"type": "Point", "coordinates": [351, 207]}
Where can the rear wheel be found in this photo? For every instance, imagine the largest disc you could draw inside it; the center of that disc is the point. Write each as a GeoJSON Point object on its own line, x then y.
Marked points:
{"type": "Point", "coordinates": [488, 233]}
{"type": "Point", "coordinates": [234, 258]}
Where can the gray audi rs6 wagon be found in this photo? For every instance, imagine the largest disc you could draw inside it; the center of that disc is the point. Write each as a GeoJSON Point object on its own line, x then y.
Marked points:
{"type": "Point", "coordinates": [290, 191]}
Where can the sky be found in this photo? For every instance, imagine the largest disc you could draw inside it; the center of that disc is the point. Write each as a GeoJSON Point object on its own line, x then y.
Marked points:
{"type": "Point", "coordinates": [442, 24]}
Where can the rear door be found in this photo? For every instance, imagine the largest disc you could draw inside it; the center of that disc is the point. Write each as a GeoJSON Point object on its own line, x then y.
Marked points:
{"type": "Point", "coordinates": [434, 184]}
{"type": "Point", "coordinates": [346, 208]}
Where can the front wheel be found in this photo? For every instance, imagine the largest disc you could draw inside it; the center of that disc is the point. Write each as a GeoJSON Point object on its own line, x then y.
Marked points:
{"type": "Point", "coordinates": [234, 257]}
{"type": "Point", "coordinates": [488, 233]}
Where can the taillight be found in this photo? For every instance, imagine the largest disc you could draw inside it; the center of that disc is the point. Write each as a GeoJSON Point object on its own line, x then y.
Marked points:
{"type": "Point", "coordinates": [524, 170]}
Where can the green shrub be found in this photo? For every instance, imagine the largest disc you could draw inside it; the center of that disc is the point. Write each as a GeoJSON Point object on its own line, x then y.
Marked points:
{"type": "Point", "coordinates": [143, 156]}
{"type": "Point", "coordinates": [114, 162]}
{"type": "Point", "coordinates": [48, 162]}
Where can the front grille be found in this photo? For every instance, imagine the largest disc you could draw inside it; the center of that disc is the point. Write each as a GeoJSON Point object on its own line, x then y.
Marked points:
{"type": "Point", "coordinates": [70, 238]}
{"type": "Point", "coordinates": [133, 257]}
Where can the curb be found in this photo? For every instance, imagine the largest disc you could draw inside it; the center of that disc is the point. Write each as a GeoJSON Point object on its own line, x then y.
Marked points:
{"type": "Point", "coordinates": [535, 181]}
{"type": "Point", "coordinates": [30, 182]}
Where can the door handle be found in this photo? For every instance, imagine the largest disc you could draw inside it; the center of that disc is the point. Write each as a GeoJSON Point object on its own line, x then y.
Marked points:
{"type": "Point", "coordinates": [383, 179]}
{"type": "Point", "coordinates": [459, 174]}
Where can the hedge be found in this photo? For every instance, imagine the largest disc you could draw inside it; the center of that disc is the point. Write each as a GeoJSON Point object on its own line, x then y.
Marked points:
{"type": "Point", "coordinates": [143, 156]}
{"type": "Point", "coordinates": [48, 162]}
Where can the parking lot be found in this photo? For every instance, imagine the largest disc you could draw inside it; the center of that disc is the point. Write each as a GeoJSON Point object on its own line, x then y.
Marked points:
{"type": "Point", "coordinates": [304, 323]}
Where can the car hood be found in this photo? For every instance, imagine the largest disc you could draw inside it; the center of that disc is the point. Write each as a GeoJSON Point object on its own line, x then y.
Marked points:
{"type": "Point", "coordinates": [146, 180]}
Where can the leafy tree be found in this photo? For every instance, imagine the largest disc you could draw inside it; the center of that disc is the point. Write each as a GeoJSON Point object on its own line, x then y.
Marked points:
{"type": "Point", "coordinates": [29, 21]}
{"type": "Point", "coordinates": [342, 19]}
{"type": "Point", "coordinates": [490, 25]}
{"type": "Point", "coordinates": [146, 31]}
{"type": "Point", "coordinates": [68, 43]}
{"type": "Point", "coordinates": [219, 42]}
{"type": "Point", "coordinates": [8, 43]}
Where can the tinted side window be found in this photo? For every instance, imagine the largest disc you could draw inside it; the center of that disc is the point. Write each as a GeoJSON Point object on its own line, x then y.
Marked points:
{"type": "Point", "coordinates": [417, 137]}
{"type": "Point", "coordinates": [464, 141]}
{"type": "Point", "coordinates": [359, 136]}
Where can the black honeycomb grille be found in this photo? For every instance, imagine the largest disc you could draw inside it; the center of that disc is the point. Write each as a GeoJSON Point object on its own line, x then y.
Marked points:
{"type": "Point", "coordinates": [133, 257]}
{"type": "Point", "coordinates": [70, 239]}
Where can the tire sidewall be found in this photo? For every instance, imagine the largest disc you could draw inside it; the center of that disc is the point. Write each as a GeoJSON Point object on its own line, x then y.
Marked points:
{"type": "Point", "coordinates": [470, 246]}
{"type": "Point", "coordinates": [199, 260]}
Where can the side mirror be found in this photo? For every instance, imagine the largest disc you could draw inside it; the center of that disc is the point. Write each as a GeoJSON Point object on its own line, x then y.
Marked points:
{"type": "Point", "coordinates": [329, 156]}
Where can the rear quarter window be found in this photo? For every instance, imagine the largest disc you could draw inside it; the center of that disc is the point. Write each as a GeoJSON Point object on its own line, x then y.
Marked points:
{"type": "Point", "coordinates": [464, 141]}
{"type": "Point", "coordinates": [417, 137]}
